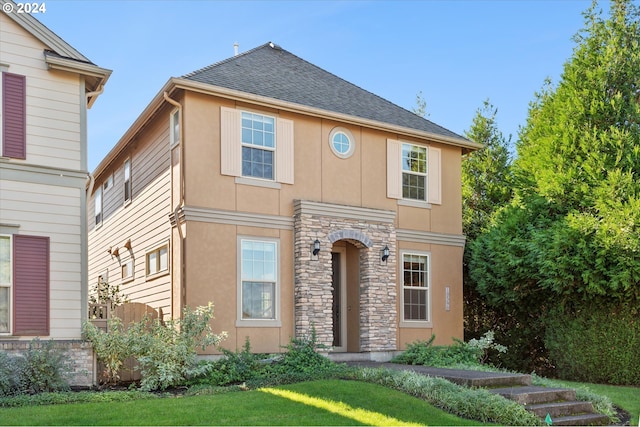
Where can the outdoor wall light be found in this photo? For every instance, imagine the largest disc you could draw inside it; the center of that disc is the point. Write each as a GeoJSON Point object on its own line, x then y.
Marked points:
{"type": "Point", "coordinates": [316, 247]}
{"type": "Point", "coordinates": [385, 253]}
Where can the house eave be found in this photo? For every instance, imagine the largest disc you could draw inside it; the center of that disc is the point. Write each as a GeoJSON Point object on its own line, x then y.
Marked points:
{"type": "Point", "coordinates": [175, 83]}
{"type": "Point", "coordinates": [96, 77]}
{"type": "Point", "coordinates": [209, 89]}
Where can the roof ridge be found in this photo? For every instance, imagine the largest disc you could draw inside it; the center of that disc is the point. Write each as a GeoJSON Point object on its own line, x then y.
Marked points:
{"type": "Point", "coordinates": [229, 59]}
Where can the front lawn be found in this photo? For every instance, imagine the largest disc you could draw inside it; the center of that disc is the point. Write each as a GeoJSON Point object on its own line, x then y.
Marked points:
{"type": "Point", "coordinates": [326, 402]}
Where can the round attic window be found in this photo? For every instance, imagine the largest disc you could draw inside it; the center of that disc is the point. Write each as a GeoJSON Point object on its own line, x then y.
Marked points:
{"type": "Point", "coordinates": [341, 142]}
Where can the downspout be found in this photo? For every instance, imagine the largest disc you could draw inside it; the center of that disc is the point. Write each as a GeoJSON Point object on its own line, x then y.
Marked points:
{"type": "Point", "coordinates": [95, 93]}
{"type": "Point", "coordinates": [180, 203]}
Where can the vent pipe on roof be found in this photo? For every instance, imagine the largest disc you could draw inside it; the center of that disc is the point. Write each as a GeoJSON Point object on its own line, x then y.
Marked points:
{"type": "Point", "coordinates": [235, 49]}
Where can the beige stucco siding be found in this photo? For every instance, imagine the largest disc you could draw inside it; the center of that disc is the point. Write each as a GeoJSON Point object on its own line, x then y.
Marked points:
{"type": "Point", "coordinates": [144, 220]}
{"type": "Point", "coordinates": [54, 100]}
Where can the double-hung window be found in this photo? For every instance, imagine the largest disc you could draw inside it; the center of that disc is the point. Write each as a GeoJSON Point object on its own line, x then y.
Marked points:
{"type": "Point", "coordinates": [256, 148]}
{"type": "Point", "coordinates": [127, 181]}
{"type": "Point", "coordinates": [174, 126]}
{"type": "Point", "coordinates": [97, 202]}
{"type": "Point", "coordinates": [5, 284]}
{"type": "Point", "coordinates": [415, 287]}
{"type": "Point", "coordinates": [413, 173]}
{"type": "Point", "coordinates": [258, 280]}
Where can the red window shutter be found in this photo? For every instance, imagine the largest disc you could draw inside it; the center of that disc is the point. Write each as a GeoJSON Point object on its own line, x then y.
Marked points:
{"type": "Point", "coordinates": [30, 285]}
{"type": "Point", "coordinates": [14, 116]}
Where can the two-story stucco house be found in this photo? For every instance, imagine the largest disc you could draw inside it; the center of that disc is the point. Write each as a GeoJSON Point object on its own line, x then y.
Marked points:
{"type": "Point", "coordinates": [290, 198]}
{"type": "Point", "coordinates": [46, 88]}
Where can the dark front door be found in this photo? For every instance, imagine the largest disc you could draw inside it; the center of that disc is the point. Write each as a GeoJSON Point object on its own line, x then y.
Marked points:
{"type": "Point", "coordinates": [337, 298]}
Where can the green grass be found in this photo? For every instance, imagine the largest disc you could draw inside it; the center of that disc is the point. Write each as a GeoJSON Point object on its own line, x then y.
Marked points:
{"type": "Point", "coordinates": [326, 402]}
{"type": "Point", "coordinates": [627, 398]}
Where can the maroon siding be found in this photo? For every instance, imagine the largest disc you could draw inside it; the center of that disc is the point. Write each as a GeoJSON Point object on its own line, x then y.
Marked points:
{"type": "Point", "coordinates": [14, 116]}
{"type": "Point", "coordinates": [30, 285]}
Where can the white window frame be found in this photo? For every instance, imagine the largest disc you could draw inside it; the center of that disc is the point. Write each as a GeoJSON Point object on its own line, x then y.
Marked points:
{"type": "Point", "coordinates": [98, 205]}
{"type": "Point", "coordinates": [265, 148]}
{"type": "Point", "coordinates": [425, 174]}
{"type": "Point", "coordinates": [130, 267]}
{"type": "Point", "coordinates": [231, 149]}
{"type": "Point", "coordinates": [127, 181]}
{"type": "Point", "coordinates": [174, 128]}
{"type": "Point", "coordinates": [157, 250]}
{"type": "Point", "coordinates": [352, 142]}
{"type": "Point", "coordinates": [275, 321]}
{"type": "Point", "coordinates": [427, 323]}
{"type": "Point", "coordinates": [9, 285]}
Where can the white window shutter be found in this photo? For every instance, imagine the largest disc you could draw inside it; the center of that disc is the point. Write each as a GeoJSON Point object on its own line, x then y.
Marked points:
{"type": "Point", "coordinates": [230, 142]}
{"type": "Point", "coordinates": [434, 174]}
{"type": "Point", "coordinates": [394, 172]}
{"type": "Point", "coordinates": [284, 151]}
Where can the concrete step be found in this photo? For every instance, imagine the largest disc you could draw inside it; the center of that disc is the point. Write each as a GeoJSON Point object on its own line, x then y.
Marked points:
{"type": "Point", "coordinates": [556, 409]}
{"type": "Point", "coordinates": [532, 394]}
{"type": "Point", "coordinates": [581, 420]}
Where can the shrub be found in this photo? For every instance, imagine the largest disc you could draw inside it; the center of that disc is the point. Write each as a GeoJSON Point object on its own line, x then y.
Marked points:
{"type": "Point", "coordinates": [112, 348]}
{"type": "Point", "coordinates": [233, 368]}
{"type": "Point", "coordinates": [597, 344]}
{"type": "Point", "coordinates": [473, 403]}
{"type": "Point", "coordinates": [40, 368]}
{"type": "Point", "coordinates": [425, 353]}
{"type": "Point", "coordinates": [167, 353]}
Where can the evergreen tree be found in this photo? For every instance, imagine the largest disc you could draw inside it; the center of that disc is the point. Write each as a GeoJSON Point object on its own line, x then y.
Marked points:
{"type": "Point", "coordinates": [486, 186]}
{"type": "Point", "coordinates": [571, 235]}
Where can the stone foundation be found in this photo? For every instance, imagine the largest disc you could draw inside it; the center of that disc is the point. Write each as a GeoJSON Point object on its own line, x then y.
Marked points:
{"type": "Point", "coordinates": [369, 230]}
{"type": "Point", "coordinates": [79, 354]}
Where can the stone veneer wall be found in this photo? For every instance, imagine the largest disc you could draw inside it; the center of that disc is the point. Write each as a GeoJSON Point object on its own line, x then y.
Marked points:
{"type": "Point", "coordinates": [368, 229]}
{"type": "Point", "coordinates": [79, 354]}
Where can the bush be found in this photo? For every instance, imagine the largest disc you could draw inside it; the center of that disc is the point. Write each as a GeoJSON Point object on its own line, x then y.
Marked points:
{"type": "Point", "coordinates": [41, 368]}
{"type": "Point", "coordinates": [473, 403]}
{"type": "Point", "coordinates": [425, 353]}
{"type": "Point", "coordinates": [112, 348]}
{"type": "Point", "coordinates": [301, 362]}
{"type": "Point", "coordinates": [233, 368]}
{"type": "Point", "coordinates": [167, 353]}
{"type": "Point", "coordinates": [599, 344]}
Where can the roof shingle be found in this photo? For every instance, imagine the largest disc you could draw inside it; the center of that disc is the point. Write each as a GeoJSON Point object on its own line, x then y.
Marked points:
{"type": "Point", "coordinates": [273, 72]}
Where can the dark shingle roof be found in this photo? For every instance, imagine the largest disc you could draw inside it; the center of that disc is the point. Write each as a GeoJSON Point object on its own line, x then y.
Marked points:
{"type": "Point", "coordinates": [273, 72]}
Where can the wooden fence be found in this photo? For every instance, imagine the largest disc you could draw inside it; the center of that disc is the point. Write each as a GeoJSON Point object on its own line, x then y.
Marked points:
{"type": "Point", "coordinates": [128, 313]}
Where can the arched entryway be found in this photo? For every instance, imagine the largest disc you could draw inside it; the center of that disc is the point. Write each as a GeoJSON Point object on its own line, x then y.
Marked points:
{"type": "Point", "coordinates": [345, 287]}
{"type": "Point", "coordinates": [342, 289]}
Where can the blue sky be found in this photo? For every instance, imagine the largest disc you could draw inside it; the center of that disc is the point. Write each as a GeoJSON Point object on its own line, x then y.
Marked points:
{"type": "Point", "coordinates": [457, 53]}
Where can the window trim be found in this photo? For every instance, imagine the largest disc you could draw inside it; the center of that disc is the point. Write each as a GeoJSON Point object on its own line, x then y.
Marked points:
{"type": "Point", "coordinates": [173, 138]}
{"type": "Point", "coordinates": [131, 277]}
{"type": "Point", "coordinates": [352, 142]}
{"type": "Point", "coordinates": [231, 147]}
{"type": "Point", "coordinates": [276, 321]}
{"type": "Point", "coordinates": [127, 182]}
{"type": "Point", "coordinates": [159, 273]}
{"type": "Point", "coordinates": [428, 323]}
{"type": "Point", "coordinates": [409, 172]}
{"type": "Point", "coordinates": [273, 149]}
{"type": "Point", "coordinates": [99, 193]}
{"type": "Point", "coordinates": [9, 286]}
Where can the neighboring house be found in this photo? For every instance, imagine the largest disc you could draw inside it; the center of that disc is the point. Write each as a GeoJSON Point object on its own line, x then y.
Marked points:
{"type": "Point", "coordinates": [293, 200]}
{"type": "Point", "coordinates": [46, 89]}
